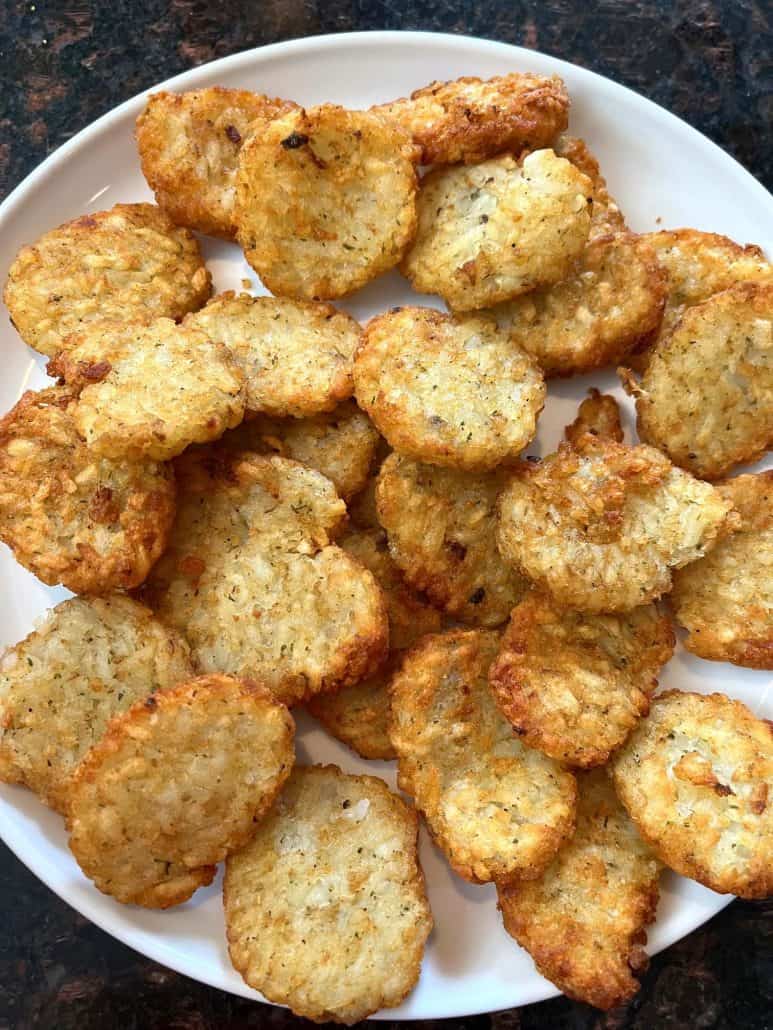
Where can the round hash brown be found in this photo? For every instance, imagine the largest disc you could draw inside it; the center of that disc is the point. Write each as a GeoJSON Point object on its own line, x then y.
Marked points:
{"type": "Point", "coordinates": [325, 200]}
{"type": "Point", "coordinates": [176, 784]}
{"type": "Point", "coordinates": [497, 809]}
{"type": "Point", "coordinates": [325, 909]}
{"type": "Point", "coordinates": [574, 685]}
{"type": "Point", "coordinates": [69, 516]}
{"type": "Point", "coordinates": [697, 779]}
{"type": "Point", "coordinates": [89, 660]}
{"type": "Point", "coordinates": [445, 390]}
{"type": "Point", "coordinates": [130, 263]}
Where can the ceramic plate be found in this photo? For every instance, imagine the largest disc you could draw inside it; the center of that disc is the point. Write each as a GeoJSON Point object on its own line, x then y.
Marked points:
{"type": "Point", "coordinates": [662, 172]}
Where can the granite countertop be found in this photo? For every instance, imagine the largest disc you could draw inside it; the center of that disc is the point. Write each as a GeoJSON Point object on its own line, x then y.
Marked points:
{"type": "Point", "coordinates": [64, 64]}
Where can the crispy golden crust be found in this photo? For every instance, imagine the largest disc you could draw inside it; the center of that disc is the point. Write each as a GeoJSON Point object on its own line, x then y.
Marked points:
{"type": "Point", "coordinates": [725, 600]}
{"type": "Point", "coordinates": [583, 922]}
{"type": "Point", "coordinates": [441, 526]}
{"type": "Point", "coordinates": [492, 231]}
{"type": "Point", "coordinates": [611, 301]}
{"type": "Point", "coordinates": [449, 391]}
{"type": "Point", "coordinates": [598, 415]}
{"type": "Point", "coordinates": [90, 659]}
{"type": "Point", "coordinates": [70, 517]}
{"type": "Point", "coordinates": [251, 579]}
{"type": "Point", "coordinates": [150, 391]}
{"type": "Point", "coordinates": [326, 909]}
{"type": "Point", "coordinates": [606, 216]}
{"type": "Point", "coordinates": [296, 356]}
{"type": "Point", "coordinates": [574, 685]}
{"type": "Point", "coordinates": [497, 809]}
{"type": "Point", "coordinates": [189, 147]}
{"type": "Point", "coordinates": [176, 784]}
{"type": "Point", "coordinates": [325, 200]}
{"type": "Point", "coordinates": [697, 779]}
{"type": "Point", "coordinates": [471, 119]}
{"type": "Point", "coordinates": [706, 397]}
{"type": "Point", "coordinates": [600, 526]}
{"type": "Point", "coordinates": [130, 263]}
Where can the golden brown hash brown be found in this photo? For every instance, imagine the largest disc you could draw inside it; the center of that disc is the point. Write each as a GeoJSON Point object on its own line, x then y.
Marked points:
{"type": "Point", "coordinates": [325, 909]}
{"type": "Point", "coordinates": [610, 302]}
{"type": "Point", "coordinates": [325, 200]}
{"type": "Point", "coordinates": [725, 600]}
{"type": "Point", "coordinates": [130, 263]}
{"type": "Point", "coordinates": [89, 660]}
{"type": "Point", "coordinates": [598, 415]}
{"type": "Point", "coordinates": [175, 785]}
{"type": "Point", "coordinates": [600, 526]}
{"type": "Point", "coordinates": [252, 580]}
{"type": "Point", "coordinates": [606, 217]}
{"type": "Point", "coordinates": [150, 391]}
{"type": "Point", "coordinates": [706, 396]}
{"type": "Point", "coordinates": [574, 685]}
{"type": "Point", "coordinates": [583, 922]}
{"type": "Point", "coordinates": [497, 809]}
{"type": "Point", "coordinates": [69, 516]}
{"type": "Point", "coordinates": [441, 526]}
{"type": "Point", "coordinates": [471, 119]}
{"type": "Point", "coordinates": [449, 391]}
{"type": "Point", "coordinates": [189, 147]}
{"type": "Point", "coordinates": [697, 779]}
{"type": "Point", "coordinates": [492, 231]}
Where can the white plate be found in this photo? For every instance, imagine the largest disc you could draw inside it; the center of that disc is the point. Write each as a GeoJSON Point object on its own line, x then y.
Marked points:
{"type": "Point", "coordinates": [661, 171]}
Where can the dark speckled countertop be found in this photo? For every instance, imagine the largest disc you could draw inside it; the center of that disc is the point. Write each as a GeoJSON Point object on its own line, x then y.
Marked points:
{"type": "Point", "coordinates": [65, 63]}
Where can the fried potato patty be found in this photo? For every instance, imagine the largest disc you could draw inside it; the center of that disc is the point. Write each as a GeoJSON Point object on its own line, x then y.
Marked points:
{"type": "Point", "coordinates": [189, 147]}
{"type": "Point", "coordinates": [574, 686]}
{"type": "Point", "coordinates": [611, 301]}
{"type": "Point", "coordinates": [449, 391]}
{"type": "Point", "coordinates": [583, 922]}
{"type": "Point", "coordinates": [251, 579]}
{"type": "Point", "coordinates": [606, 216]}
{"type": "Point", "coordinates": [470, 119]}
{"type": "Point", "coordinates": [600, 526]}
{"type": "Point", "coordinates": [150, 391]}
{"type": "Point", "coordinates": [325, 909]}
{"type": "Point", "coordinates": [177, 783]}
{"type": "Point", "coordinates": [441, 527]}
{"type": "Point", "coordinates": [325, 200]}
{"type": "Point", "coordinates": [598, 415]}
{"type": "Point", "coordinates": [296, 356]}
{"type": "Point", "coordinates": [491, 231]}
{"type": "Point", "coordinates": [706, 396]}
{"type": "Point", "coordinates": [69, 516]}
{"type": "Point", "coordinates": [130, 263]}
{"type": "Point", "coordinates": [725, 600]}
{"type": "Point", "coordinates": [697, 779]}
{"type": "Point", "coordinates": [497, 809]}
{"type": "Point", "coordinates": [89, 660]}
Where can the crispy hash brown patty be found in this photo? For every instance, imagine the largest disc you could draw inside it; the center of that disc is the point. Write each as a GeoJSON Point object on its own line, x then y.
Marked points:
{"type": "Point", "coordinates": [189, 147]}
{"type": "Point", "coordinates": [69, 516]}
{"type": "Point", "coordinates": [470, 119]}
{"type": "Point", "coordinates": [251, 579]}
{"type": "Point", "coordinates": [600, 526]}
{"type": "Point", "coordinates": [583, 921]}
{"type": "Point", "coordinates": [575, 685]}
{"type": "Point", "coordinates": [441, 527]}
{"type": "Point", "coordinates": [90, 659]}
{"type": "Point", "coordinates": [492, 231]}
{"type": "Point", "coordinates": [150, 391]}
{"type": "Point", "coordinates": [296, 356]}
{"type": "Point", "coordinates": [706, 397]}
{"type": "Point", "coordinates": [725, 600]}
{"type": "Point", "coordinates": [325, 909]}
{"type": "Point", "coordinates": [606, 216]}
{"type": "Point", "coordinates": [326, 200]}
{"type": "Point", "coordinates": [697, 779]}
{"type": "Point", "coordinates": [450, 391]}
{"type": "Point", "coordinates": [498, 809]}
{"type": "Point", "coordinates": [130, 263]}
{"type": "Point", "coordinates": [177, 783]}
